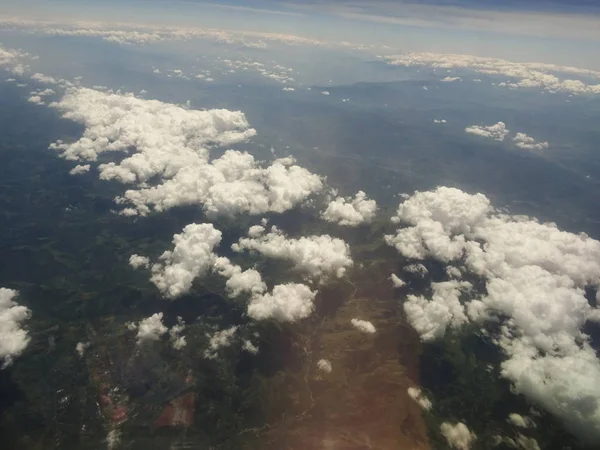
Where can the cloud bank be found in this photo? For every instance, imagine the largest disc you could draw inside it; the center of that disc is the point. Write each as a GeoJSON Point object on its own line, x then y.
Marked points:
{"type": "Point", "coordinates": [535, 278]}
{"type": "Point", "coordinates": [13, 338]}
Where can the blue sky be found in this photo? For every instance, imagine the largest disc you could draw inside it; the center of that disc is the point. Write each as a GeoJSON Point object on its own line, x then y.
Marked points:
{"type": "Point", "coordinates": [556, 31]}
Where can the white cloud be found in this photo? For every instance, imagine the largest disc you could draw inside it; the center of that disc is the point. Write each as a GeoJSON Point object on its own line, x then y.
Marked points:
{"type": "Point", "coordinates": [36, 99]}
{"type": "Point", "coordinates": [458, 436]}
{"type": "Point", "coordinates": [420, 398]}
{"type": "Point", "coordinates": [396, 281]}
{"type": "Point", "coordinates": [324, 92]}
{"type": "Point", "coordinates": [137, 261]}
{"type": "Point", "coordinates": [113, 439]}
{"type": "Point", "coordinates": [13, 338]}
{"type": "Point", "coordinates": [79, 169]}
{"type": "Point", "coordinates": [191, 257]}
{"type": "Point", "coordinates": [440, 121]}
{"type": "Point", "coordinates": [316, 256]}
{"type": "Point", "coordinates": [288, 89]}
{"type": "Point", "coordinates": [520, 421]}
{"type": "Point", "coordinates": [149, 329]}
{"type": "Point", "coordinates": [249, 347]}
{"type": "Point", "coordinates": [524, 75]}
{"type": "Point", "coordinates": [172, 143]}
{"type": "Point", "coordinates": [45, 79]}
{"type": "Point", "coordinates": [220, 339]}
{"type": "Point", "coordinates": [177, 340]}
{"type": "Point", "coordinates": [451, 79]}
{"type": "Point", "coordinates": [417, 269]}
{"type": "Point", "coordinates": [363, 325]}
{"type": "Point", "coordinates": [324, 365]}
{"type": "Point", "coordinates": [535, 275]}
{"type": "Point", "coordinates": [350, 212]}
{"type": "Point", "coordinates": [497, 132]}
{"type": "Point", "coordinates": [521, 140]}
{"type": "Point", "coordinates": [431, 317]}
{"type": "Point", "coordinates": [81, 347]}
{"type": "Point", "coordinates": [239, 281]}
{"type": "Point", "coordinates": [287, 303]}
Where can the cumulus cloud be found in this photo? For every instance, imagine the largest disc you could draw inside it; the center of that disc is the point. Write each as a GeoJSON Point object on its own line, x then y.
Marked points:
{"type": "Point", "coordinates": [451, 79]}
{"type": "Point", "coordinates": [523, 74]}
{"type": "Point", "coordinates": [45, 79]}
{"type": "Point", "coordinates": [316, 256]}
{"type": "Point", "coordinates": [458, 436]}
{"type": "Point", "coordinates": [521, 140]}
{"type": "Point", "coordinates": [13, 338]}
{"type": "Point", "coordinates": [249, 347]}
{"type": "Point", "coordinates": [177, 340]}
{"type": "Point", "coordinates": [535, 278]}
{"type": "Point", "coordinates": [191, 257]}
{"type": "Point", "coordinates": [80, 169]}
{"type": "Point", "coordinates": [324, 92]}
{"type": "Point", "coordinates": [440, 121]}
{"type": "Point", "coordinates": [396, 281]}
{"type": "Point", "coordinates": [81, 347]}
{"type": "Point", "coordinates": [172, 144]}
{"type": "Point", "coordinates": [149, 329]}
{"type": "Point", "coordinates": [324, 365]}
{"type": "Point", "coordinates": [496, 132]}
{"type": "Point", "coordinates": [287, 303]}
{"type": "Point", "coordinates": [363, 325]}
{"type": "Point", "coordinates": [420, 398]}
{"type": "Point", "coordinates": [288, 89]}
{"type": "Point", "coordinates": [350, 212]}
{"type": "Point", "coordinates": [430, 317]}
{"type": "Point", "coordinates": [36, 99]}
{"type": "Point", "coordinates": [520, 421]}
{"type": "Point", "coordinates": [239, 281]}
{"type": "Point", "coordinates": [220, 339]}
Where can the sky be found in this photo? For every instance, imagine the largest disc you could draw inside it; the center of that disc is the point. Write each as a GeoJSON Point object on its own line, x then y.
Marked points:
{"type": "Point", "coordinates": [552, 31]}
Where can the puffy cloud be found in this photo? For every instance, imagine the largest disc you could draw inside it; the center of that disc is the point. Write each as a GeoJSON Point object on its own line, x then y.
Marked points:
{"type": "Point", "coordinates": [451, 79]}
{"type": "Point", "coordinates": [171, 144]}
{"type": "Point", "coordinates": [45, 79]}
{"type": "Point", "coordinates": [36, 99]}
{"type": "Point", "coordinates": [431, 317]}
{"type": "Point", "coordinates": [521, 140]}
{"type": "Point", "coordinates": [316, 256]}
{"type": "Point", "coordinates": [324, 92]}
{"type": "Point", "coordinates": [520, 421]}
{"type": "Point", "coordinates": [79, 169]}
{"type": "Point", "coordinates": [177, 340]}
{"type": "Point", "coordinates": [239, 281]}
{"type": "Point", "coordinates": [137, 261]}
{"type": "Point", "coordinates": [417, 269]}
{"type": "Point", "coordinates": [149, 329]}
{"type": "Point", "coordinates": [219, 340]}
{"type": "Point", "coordinates": [396, 281]}
{"type": "Point", "coordinates": [524, 74]}
{"type": "Point", "coordinates": [324, 365]}
{"type": "Point", "coordinates": [81, 347]}
{"type": "Point", "coordinates": [350, 212]}
{"type": "Point", "coordinates": [535, 278]}
{"type": "Point", "coordinates": [13, 338]}
{"type": "Point", "coordinates": [440, 121]}
{"type": "Point", "coordinates": [287, 303]}
{"type": "Point", "coordinates": [249, 347]}
{"type": "Point", "coordinates": [496, 132]}
{"type": "Point", "coordinates": [458, 436]}
{"type": "Point", "coordinates": [363, 325]}
{"type": "Point", "coordinates": [191, 257]}
{"type": "Point", "coordinates": [113, 439]}
{"type": "Point", "coordinates": [420, 398]}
